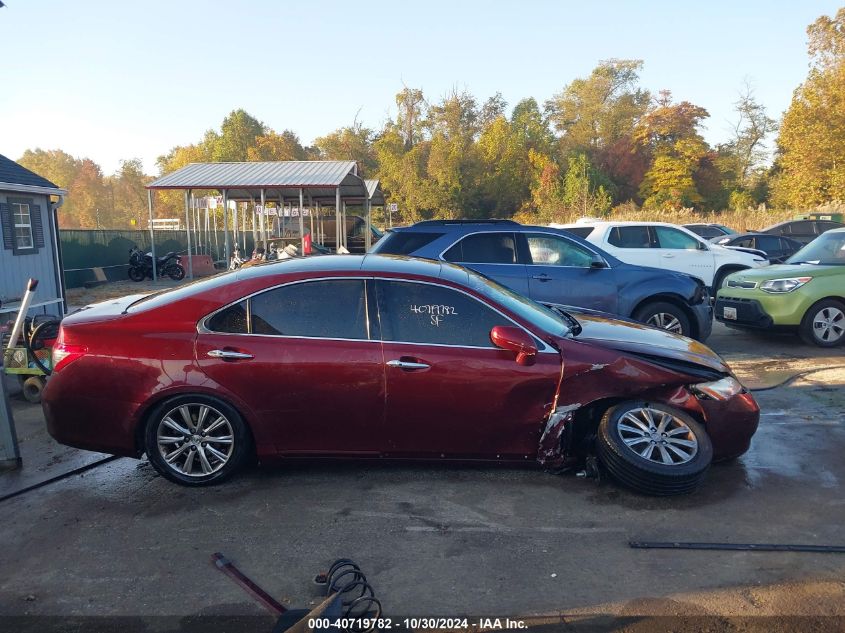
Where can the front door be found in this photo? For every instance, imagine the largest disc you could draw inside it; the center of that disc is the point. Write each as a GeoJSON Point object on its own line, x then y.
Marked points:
{"type": "Point", "coordinates": [305, 360]}
{"type": "Point", "coordinates": [683, 253]}
{"type": "Point", "coordinates": [560, 271]}
{"type": "Point", "coordinates": [450, 391]}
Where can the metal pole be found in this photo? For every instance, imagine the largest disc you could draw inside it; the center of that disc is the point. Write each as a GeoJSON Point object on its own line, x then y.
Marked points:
{"type": "Point", "coordinates": [243, 226]}
{"type": "Point", "coordinates": [337, 218]}
{"type": "Point", "coordinates": [343, 223]}
{"type": "Point", "coordinates": [263, 220]}
{"type": "Point", "coordinates": [10, 454]}
{"type": "Point", "coordinates": [368, 238]}
{"type": "Point", "coordinates": [227, 245]}
{"type": "Point", "coordinates": [152, 232]}
{"type": "Point", "coordinates": [311, 216]}
{"type": "Point", "coordinates": [301, 222]}
{"type": "Point", "coordinates": [188, 196]}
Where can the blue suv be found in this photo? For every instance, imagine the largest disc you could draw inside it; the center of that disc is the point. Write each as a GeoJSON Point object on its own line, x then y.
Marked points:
{"type": "Point", "coordinates": [555, 266]}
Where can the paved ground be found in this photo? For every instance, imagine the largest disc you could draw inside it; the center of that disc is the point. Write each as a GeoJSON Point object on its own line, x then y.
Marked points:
{"type": "Point", "coordinates": [119, 540]}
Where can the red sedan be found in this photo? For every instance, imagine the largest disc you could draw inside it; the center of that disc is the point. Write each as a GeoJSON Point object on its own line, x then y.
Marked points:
{"type": "Point", "coordinates": [378, 356]}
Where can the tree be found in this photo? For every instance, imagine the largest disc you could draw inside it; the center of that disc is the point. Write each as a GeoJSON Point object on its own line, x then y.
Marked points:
{"type": "Point", "coordinates": [238, 134]}
{"type": "Point", "coordinates": [810, 165]}
{"type": "Point", "coordinates": [349, 143]}
{"type": "Point", "coordinates": [128, 194]}
{"type": "Point", "coordinates": [595, 112]}
{"type": "Point", "coordinates": [670, 134]}
{"type": "Point", "coordinates": [748, 143]}
{"type": "Point", "coordinates": [272, 146]}
{"type": "Point", "coordinates": [411, 104]}
{"type": "Point", "coordinates": [585, 190]}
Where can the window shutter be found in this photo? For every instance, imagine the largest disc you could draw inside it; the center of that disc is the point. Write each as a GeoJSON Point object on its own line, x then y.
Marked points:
{"type": "Point", "coordinates": [6, 226]}
{"type": "Point", "coordinates": [37, 225]}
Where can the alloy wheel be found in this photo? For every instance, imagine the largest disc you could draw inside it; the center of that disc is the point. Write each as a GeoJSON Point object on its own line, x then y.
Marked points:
{"type": "Point", "coordinates": [657, 436]}
{"type": "Point", "coordinates": [195, 439]}
{"type": "Point", "coordinates": [666, 321]}
{"type": "Point", "coordinates": [829, 324]}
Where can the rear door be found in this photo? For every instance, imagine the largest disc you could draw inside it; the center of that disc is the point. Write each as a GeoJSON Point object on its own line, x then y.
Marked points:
{"type": "Point", "coordinates": [560, 271]}
{"type": "Point", "coordinates": [450, 391]}
{"type": "Point", "coordinates": [493, 254]}
{"type": "Point", "coordinates": [306, 359]}
{"type": "Point", "coordinates": [633, 244]}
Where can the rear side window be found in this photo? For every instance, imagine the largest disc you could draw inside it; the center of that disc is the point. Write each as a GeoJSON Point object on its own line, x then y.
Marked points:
{"type": "Point", "coordinates": [321, 309]}
{"type": "Point", "coordinates": [769, 244]}
{"type": "Point", "coordinates": [800, 228]}
{"type": "Point", "coordinates": [580, 231]}
{"type": "Point", "coordinates": [484, 248]}
{"type": "Point", "coordinates": [425, 313]}
{"type": "Point", "coordinates": [405, 242]}
{"type": "Point", "coordinates": [232, 320]}
{"type": "Point", "coordinates": [629, 237]}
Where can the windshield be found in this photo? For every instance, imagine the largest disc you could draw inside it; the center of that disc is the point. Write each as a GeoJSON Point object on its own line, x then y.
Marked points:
{"type": "Point", "coordinates": [536, 314]}
{"type": "Point", "coordinates": [827, 249]}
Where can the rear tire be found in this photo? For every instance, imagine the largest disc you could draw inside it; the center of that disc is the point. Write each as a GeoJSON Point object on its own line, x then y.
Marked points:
{"type": "Point", "coordinates": [824, 324]}
{"type": "Point", "coordinates": [665, 316]}
{"type": "Point", "coordinates": [176, 272]}
{"type": "Point", "coordinates": [671, 460]}
{"type": "Point", "coordinates": [196, 440]}
{"type": "Point", "coordinates": [136, 274]}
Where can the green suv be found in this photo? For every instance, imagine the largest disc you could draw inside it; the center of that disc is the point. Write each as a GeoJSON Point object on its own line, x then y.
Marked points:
{"type": "Point", "coordinates": [806, 293]}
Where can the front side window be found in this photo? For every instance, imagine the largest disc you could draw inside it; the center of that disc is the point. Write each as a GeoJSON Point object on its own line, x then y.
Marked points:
{"type": "Point", "coordinates": [22, 220]}
{"type": "Point", "coordinates": [629, 237]}
{"type": "Point", "coordinates": [484, 248]}
{"type": "Point", "coordinates": [668, 237]}
{"type": "Point", "coordinates": [550, 250]}
{"type": "Point", "coordinates": [426, 313]}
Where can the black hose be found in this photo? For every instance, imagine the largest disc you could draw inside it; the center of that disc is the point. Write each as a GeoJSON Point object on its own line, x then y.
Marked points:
{"type": "Point", "coordinates": [30, 339]}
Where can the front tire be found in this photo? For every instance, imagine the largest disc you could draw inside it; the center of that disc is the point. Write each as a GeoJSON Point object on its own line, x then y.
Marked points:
{"type": "Point", "coordinates": [666, 316]}
{"type": "Point", "coordinates": [824, 324]}
{"type": "Point", "coordinates": [136, 273]}
{"type": "Point", "coordinates": [196, 440]}
{"type": "Point", "coordinates": [653, 448]}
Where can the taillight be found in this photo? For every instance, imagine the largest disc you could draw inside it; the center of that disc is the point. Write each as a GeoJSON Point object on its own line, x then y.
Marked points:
{"type": "Point", "coordinates": [65, 353]}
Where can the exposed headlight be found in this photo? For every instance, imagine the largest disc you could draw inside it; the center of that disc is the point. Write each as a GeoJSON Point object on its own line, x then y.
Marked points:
{"type": "Point", "coordinates": [718, 390]}
{"type": "Point", "coordinates": [784, 285]}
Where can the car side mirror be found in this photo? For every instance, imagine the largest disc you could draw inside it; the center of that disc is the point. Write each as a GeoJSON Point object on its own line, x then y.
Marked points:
{"type": "Point", "coordinates": [597, 262]}
{"type": "Point", "coordinates": [515, 340]}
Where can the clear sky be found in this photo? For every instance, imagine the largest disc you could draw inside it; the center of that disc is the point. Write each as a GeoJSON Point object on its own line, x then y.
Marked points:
{"type": "Point", "coordinates": [114, 79]}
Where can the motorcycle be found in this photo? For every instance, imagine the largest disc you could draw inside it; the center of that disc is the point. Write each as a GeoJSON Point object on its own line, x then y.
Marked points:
{"type": "Point", "coordinates": [141, 266]}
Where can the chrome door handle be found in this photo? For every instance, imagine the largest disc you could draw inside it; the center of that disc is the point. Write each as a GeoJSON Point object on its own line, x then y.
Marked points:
{"type": "Point", "coordinates": [543, 277]}
{"type": "Point", "coordinates": [404, 364]}
{"type": "Point", "coordinates": [227, 354]}
{"type": "Point", "coordinates": [668, 255]}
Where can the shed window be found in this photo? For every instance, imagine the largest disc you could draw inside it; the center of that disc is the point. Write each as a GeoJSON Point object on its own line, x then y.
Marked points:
{"type": "Point", "coordinates": [23, 225]}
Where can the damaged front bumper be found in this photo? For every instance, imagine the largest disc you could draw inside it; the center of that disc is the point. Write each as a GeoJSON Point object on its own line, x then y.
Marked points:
{"type": "Point", "coordinates": [730, 423]}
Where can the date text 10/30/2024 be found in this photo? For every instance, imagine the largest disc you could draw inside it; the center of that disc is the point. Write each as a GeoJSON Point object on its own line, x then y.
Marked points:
{"type": "Point", "coordinates": [416, 624]}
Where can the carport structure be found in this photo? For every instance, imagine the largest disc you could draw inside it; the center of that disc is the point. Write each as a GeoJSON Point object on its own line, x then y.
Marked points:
{"type": "Point", "coordinates": [312, 185]}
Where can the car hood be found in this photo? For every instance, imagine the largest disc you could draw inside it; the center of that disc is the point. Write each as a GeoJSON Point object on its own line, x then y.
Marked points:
{"type": "Point", "coordinates": [779, 271]}
{"type": "Point", "coordinates": [644, 341]}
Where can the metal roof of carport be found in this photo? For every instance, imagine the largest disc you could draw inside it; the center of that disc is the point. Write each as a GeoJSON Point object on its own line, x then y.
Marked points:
{"type": "Point", "coordinates": [320, 178]}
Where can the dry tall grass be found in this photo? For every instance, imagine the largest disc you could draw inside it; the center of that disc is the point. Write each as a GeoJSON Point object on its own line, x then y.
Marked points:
{"type": "Point", "coordinates": [747, 219]}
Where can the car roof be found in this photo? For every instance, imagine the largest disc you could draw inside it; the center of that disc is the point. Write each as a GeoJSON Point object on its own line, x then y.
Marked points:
{"type": "Point", "coordinates": [371, 263]}
{"type": "Point", "coordinates": [604, 223]}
